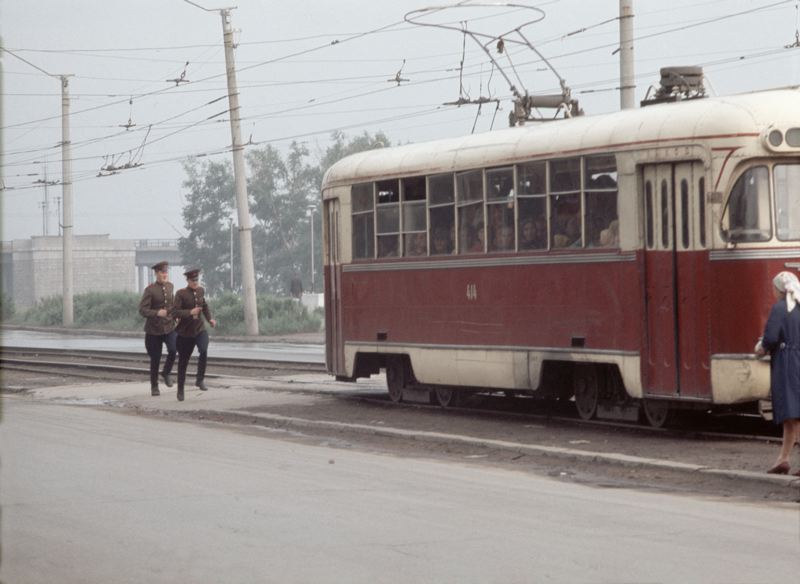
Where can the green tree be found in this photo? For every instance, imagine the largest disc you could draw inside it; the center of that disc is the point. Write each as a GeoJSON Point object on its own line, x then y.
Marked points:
{"type": "Point", "coordinates": [206, 217]}
{"type": "Point", "coordinates": [281, 191]}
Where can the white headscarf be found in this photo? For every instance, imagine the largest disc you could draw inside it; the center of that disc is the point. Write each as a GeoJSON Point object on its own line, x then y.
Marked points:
{"type": "Point", "coordinates": [787, 283]}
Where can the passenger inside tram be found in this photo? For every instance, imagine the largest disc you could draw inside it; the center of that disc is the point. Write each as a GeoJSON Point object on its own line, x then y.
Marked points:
{"type": "Point", "coordinates": [416, 244]}
{"type": "Point", "coordinates": [442, 243]}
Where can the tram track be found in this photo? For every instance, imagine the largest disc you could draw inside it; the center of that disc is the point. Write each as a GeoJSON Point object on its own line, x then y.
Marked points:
{"type": "Point", "coordinates": [124, 366]}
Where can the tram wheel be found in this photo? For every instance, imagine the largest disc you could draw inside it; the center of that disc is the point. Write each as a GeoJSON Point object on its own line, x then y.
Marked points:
{"type": "Point", "coordinates": [657, 413]}
{"type": "Point", "coordinates": [586, 388]}
{"type": "Point", "coordinates": [445, 397]}
{"type": "Point", "coordinates": [395, 378]}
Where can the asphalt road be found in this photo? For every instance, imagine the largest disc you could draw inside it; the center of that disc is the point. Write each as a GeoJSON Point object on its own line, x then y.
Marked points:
{"type": "Point", "coordinates": [95, 496]}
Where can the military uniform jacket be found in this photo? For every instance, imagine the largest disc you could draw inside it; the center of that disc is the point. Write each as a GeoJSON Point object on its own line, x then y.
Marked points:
{"type": "Point", "coordinates": [157, 296]}
{"type": "Point", "coordinates": [185, 300]}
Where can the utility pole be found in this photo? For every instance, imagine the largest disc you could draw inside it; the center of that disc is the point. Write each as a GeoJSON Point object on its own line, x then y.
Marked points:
{"type": "Point", "coordinates": [627, 81]}
{"type": "Point", "coordinates": [66, 193]}
{"type": "Point", "coordinates": [240, 179]}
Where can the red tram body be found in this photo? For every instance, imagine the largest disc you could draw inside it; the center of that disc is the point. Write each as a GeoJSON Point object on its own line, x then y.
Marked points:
{"type": "Point", "coordinates": [657, 233]}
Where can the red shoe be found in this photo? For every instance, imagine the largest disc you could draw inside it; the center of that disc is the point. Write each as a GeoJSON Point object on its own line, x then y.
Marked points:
{"type": "Point", "coordinates": [782, 468]}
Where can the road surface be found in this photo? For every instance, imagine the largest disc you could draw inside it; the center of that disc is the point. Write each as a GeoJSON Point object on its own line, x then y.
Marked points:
{"type": "Point", "coordinates": [95, 496]}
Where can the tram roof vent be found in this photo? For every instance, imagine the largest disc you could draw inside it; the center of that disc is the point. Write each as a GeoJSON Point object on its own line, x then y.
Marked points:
{"type": "Point", "coordinates": [677, 84]}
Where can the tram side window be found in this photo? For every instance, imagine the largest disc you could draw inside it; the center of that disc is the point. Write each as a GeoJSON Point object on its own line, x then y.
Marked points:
{"type": "Point", "coordinates": [532, 202]}
{"type": "Point", "coordinates": [787, 200]}
{"type": "Point", "coordinates": [746, 216]}
{"type": "Point", "coordinates": [441, 209]}
{"type": "Point", "coordinates": [565, 203]}
{"type": "Point", "coordinates": [363, 221]}
{"type": "Point", "coordinates": [601, 221]}
{"type": "Point", "coordinates": [469, 197]}
{"type": "Point", "coordinates": [684, 214]}
{"type": "Point", "coordinates": [500, 208]}
{"type": "Point", "coordinates": [665, 226]}
{"type": "Point", "coordinates": [415, 229]}
{"type": "Point", "coordinates": [388, 217]}
{"type": "Point", "coordinates": [701, 201]}
{"type": "Point", "coordinates": [649, 213]}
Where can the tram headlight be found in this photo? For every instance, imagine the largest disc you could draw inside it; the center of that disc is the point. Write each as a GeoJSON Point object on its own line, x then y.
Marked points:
{"type": "Point", "coordinates": [775, 138]}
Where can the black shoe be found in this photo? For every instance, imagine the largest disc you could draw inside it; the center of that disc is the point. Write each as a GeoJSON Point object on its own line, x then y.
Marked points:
{"type": "Point", "coordinates": [201, 384]}
{"type": "Point", "coordinates": [167, 379]}
{"type": "Point", "coordinates": [180, 394]}
{"type": "Point", "coordinates": [154, 391]}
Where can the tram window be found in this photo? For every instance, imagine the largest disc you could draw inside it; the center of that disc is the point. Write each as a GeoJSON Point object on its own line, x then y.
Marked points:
{"type": "Point", "coordinates": [415, 239]}
{"type": "Point", "coordinates": [601, 221]}
{"type": "Point", "coordinates": [469, 194]}
{"type": "Point", "coordinates": [565, 203]}
{"type": "Point", "coordinates": [787, 202]}
{"type": "Point", "coordinates": [565, 175]}
{"type": "Point", "coordinates": [665, 227]}
{"type": "Point", "coordinates": [387, 215]}
{"type": "Point", "coordinates": [501, 226]}
{"type": "Point", "coordinates": [441, 199]}
{"type": "Point", "coordinates": [649, 212]}
{"type": "Point", "coordinates": [500, 184]}
{"type": "Point", "coordinates": [565, 220]}
{"type": "Point", "coordinates": [471, 232]}
{"type": "Point", "coordinates": [531, 178]}
{"type": "Point", "coordinates": [685, 213]}
{"type": "Point", "coordinates": [532, 223]}
{"type": "Point", "coordinates": [440, 189]}
{"type": "Point", "coordinates": [746, 216]}
{"type": "Point", "coordinates": [363, 221]}
{"type": "Point", "coordinates": [388, 191]}
{"type": "Point", "coordinates": [701, 206]}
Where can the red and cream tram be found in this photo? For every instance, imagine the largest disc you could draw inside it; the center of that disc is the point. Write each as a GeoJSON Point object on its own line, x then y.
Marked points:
{"type": "Point", "coordinates": [624, 260]}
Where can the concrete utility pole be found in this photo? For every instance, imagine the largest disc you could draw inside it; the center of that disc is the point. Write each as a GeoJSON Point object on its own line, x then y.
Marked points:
{"type": "Point", "coordinates": [627, 82]}
{"type": "Point", "coordinates": [240, 179]}
{"type": "Point", "coordinates": [242, 207]}
{"type": "Point", "coordinates": [66, 192]}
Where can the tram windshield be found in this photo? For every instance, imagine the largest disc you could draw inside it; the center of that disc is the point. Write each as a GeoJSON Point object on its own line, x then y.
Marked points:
{"type": "Point", "coordinates": [746, 217]}
{"type": "Point", "coordinates": [786, 178]}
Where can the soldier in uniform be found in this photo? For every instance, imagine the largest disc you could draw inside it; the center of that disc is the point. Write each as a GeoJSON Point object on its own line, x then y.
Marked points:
{"type": "Point", "coordinates": [157, 307]}
{"type": "Point", "coordinates": [190, 302]}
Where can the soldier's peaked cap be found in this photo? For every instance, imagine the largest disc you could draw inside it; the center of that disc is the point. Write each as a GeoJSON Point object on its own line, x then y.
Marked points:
{"type": "Point", "coordinates": [192, 273]}
{"type": "Point", "coordinates": [161, 266]}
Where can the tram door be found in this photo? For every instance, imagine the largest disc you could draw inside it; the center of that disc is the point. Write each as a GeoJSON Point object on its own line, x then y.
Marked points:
{"type": "Point", "coordinates": [334, 347]}
{"type": "Point", "coordinates": [676, 306]}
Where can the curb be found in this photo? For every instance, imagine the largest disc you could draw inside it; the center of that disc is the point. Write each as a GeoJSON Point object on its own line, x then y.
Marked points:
{"type": "Point", "coordinates": [560, 452]}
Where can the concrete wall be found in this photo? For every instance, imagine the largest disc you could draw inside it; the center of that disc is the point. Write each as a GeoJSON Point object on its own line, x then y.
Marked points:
{"type": "Point", "coordinates": [100, 264]}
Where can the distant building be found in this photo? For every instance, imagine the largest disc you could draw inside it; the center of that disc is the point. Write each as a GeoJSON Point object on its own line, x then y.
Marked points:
{"type": "Point", "coordinates": [32, 268]}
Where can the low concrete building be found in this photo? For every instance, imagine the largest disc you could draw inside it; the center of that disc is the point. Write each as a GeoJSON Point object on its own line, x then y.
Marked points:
{"type": "Point", "coordinates": [100, 264]}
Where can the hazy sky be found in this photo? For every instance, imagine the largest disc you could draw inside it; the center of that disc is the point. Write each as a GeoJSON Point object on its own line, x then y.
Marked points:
{"type": "Point", "coordinates": [298, 83]}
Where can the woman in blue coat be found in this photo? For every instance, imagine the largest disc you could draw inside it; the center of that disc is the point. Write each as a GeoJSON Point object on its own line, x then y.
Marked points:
{"type": "Point", "coordinates": [782, 341]}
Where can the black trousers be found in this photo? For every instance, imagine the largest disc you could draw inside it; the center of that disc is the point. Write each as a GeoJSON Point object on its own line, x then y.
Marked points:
{"type": "Point", "coordinates": [186, 347]}
{"type": "Point", "coordinates": [153, 345]}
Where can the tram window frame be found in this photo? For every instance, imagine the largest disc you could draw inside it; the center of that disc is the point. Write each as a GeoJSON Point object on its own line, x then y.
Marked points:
{"type": "Point", "coordinates": [469, 200]}
{"type": "Point", "coordinates": [649, 214]}
{"type": "Point", "coordinates": [441, 213]}
{"type": "Point", "coordinates": [532, 206]}
{"type": "Point", "coordinates": [666, 227]}
{"type": "Point", "coordinates": [701, 208]}
{"type": "Point", "coordinates": [566, 202]}
{"type": "Point", "coordinates": [387, 217]}
{"type": "Point", "coordinates": [685, 217]}
{"type": "Point", "coordinates": [601, 201]}
{"type": "Point", "coordinates": [413, 197]}
{"type": "Point", "coordinates": [500, 209]}
{"type": "Point", "coordinates": [742, 209]}
{"type": "Point", "coordinates": [362, 204]}
{"type": "Point", "coordinates": [785, 230]}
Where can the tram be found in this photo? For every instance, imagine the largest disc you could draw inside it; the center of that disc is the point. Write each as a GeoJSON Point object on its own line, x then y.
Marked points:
{"type": "Point", "coordinates": [623, 261]}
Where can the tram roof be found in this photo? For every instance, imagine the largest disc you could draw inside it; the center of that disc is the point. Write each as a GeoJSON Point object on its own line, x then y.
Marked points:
{"type": "Point", "coordinates": [655, 125]}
